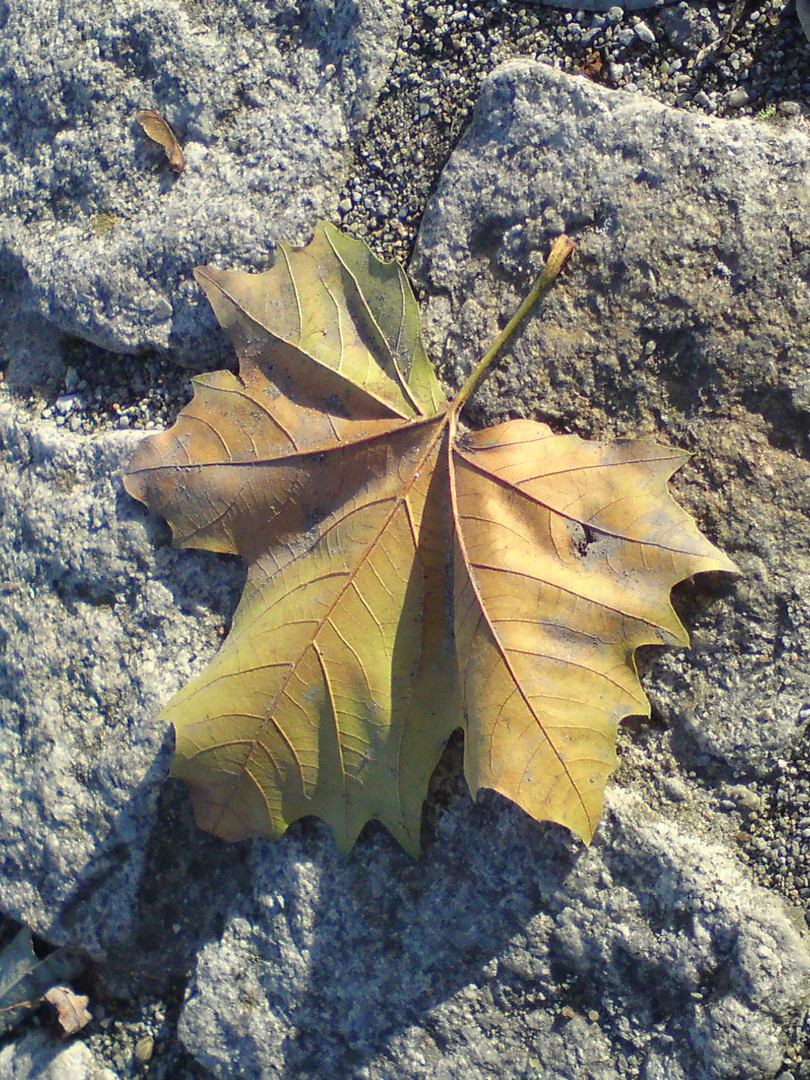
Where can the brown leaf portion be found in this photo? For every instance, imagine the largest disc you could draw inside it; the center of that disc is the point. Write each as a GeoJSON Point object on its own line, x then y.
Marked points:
{"type": "Point", "coordinates": [71, 1009]}
{"type": "Point", "coordinates": [240, 458]}
{"type": "Point", "coordinates": [159, 130]}
{"type": "Point", "coordinates": [403, 579]}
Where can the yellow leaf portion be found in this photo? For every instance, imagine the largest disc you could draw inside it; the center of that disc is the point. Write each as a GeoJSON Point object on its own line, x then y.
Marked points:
{"type": "Point", "coordinates": [566, 553]}
{"type": "Point", "coordinates": [331, 694]}
{"type": "Point", "coordinates": [383, 292]}
{"type": "Point", "coordinates": [316, 314]}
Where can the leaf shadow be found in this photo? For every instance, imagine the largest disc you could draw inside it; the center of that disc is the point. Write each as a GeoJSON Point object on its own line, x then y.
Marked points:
{"type": "Point", "coordinates": [153, 875]}
{"type": "Point", "coordinates": [101, 900]}
{"type": "Point", "coordinates": [382, 944]}
{"type": "Point", "coordinates": [188, 880]}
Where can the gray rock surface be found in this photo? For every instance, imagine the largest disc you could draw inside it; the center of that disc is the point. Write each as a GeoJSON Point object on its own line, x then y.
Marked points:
{"type": "Point", "coordinates": [687, 27]}
{"type": "Point", "coordinates": [97, 235]}
{"type": "Point", "coordinates": [40, 1055]}
{"type": "Point", "coordinates": [507, 951]}
{"type": "Point", "coordinates": [99, 622]}
{"type": "Point", "coordinates": [685, 314]}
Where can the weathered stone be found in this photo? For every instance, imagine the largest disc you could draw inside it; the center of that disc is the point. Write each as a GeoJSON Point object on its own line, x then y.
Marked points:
{"type": "Point", "coordinates": [99, 623]}
{"type": "Point", "coordinates": [97, 234]}
{"type": "Point", "coordinates": [507, 950]}
{"type": "Point", "coordinates": [40, 1056]}
{"type": "Point", "coordinates": [688, 26]}
{"type": "Point", "coordinates": [683, 314]}
{"type": "Point", "coordinates": [98, 238]}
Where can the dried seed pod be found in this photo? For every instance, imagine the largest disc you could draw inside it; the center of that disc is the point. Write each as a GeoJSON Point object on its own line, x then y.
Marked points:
{"type": "Point", "coordinates": [159, 130]}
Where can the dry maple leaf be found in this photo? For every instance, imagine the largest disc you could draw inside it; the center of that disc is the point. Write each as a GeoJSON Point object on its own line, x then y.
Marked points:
{"type": "Point", "coordinates": [404, 577]}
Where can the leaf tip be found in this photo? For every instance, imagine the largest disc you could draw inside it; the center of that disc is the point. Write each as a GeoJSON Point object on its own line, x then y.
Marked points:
{"type": "Point", "coordinates": [204, 276]}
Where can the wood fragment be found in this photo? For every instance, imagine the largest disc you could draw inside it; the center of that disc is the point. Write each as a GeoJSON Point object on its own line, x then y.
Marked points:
{"type": "Point", "coordinates": [592, 66]}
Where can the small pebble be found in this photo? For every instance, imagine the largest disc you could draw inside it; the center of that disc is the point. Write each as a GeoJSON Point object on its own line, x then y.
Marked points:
{"type": "Point", "coordinates": [738, 98]}
{"type": "Point", "coordinates": [742, 797]}
{"type": "Point", "coordinates": [675, 788]}
{"type": "Point", "coordinates": [66, 403]}
{"type": "Point", "coordinates": [644, 33]}
{"type": "Point", "coordinates": [144, 1048]}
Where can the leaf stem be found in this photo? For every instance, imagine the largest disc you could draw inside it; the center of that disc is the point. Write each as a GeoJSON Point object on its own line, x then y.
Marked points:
{"type": "Point", "coordinates": [559, 255]}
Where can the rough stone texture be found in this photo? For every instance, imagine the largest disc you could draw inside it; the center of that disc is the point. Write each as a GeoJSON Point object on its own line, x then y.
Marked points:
{"type": "Point", "coordinates": [507, 951]}
{"type": "Point", "coordinates": [41, 1055]}
{"type": "Point", "coordinates": [685, 314]}
{"type": "Point", "coordinates": [97, 235]}
{"type": "Point", "coordinates": [686, 29]}
{"type": "Point", "coordinates": [99, 622]}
